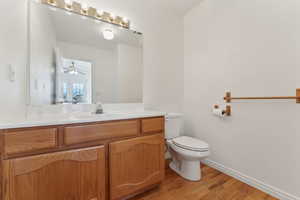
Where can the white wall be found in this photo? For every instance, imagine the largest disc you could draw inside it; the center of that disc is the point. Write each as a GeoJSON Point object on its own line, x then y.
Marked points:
{"type": "Point", "coordinates": [163, 49]}
{"type": "Point", "coordinates": [250, 48]}
{"type": "Point", "coordinates": [12, 51]}
{"type": "Point", "coordinates": [42, 57]}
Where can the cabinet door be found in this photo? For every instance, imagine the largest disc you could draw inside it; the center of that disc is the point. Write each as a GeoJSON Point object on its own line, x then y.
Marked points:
{"type": "Point", "coordinates": [136, 164]}
{"type": "Point", "coordinates": [72, 175]}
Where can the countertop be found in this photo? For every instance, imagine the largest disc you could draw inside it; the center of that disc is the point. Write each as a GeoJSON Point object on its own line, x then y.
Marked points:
{"type": "Point", "coordinates": [77, 118]}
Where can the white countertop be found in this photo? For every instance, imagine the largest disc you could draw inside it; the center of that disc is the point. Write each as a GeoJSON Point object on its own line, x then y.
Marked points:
{"type": "Point", "coordinates": [78, 118]}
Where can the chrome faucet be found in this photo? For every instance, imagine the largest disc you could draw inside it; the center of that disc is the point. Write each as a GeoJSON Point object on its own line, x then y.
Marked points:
{"type": "Point", "coordinates": [99, 109]}
{"type": "Point", "coordinates": [76, 99]}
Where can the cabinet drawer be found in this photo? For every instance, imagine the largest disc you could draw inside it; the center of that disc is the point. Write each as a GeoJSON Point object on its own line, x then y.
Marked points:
{"type": "Point", "coordinates": [29, 140]}
{"type": "Point", "coordinates": [153, 125]}
{"type": "Point", "coordinates": [110, 130]}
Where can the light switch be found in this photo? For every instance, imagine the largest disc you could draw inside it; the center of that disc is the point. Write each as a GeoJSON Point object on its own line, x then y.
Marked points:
{"type": "Point", "coordinates": [36, 84]}
{"type": "Point", "coordinates": [12, 73]}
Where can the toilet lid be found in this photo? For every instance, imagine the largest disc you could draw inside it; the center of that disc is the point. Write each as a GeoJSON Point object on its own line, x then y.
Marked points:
{"type": "Point", "coordinates": [191, 143]}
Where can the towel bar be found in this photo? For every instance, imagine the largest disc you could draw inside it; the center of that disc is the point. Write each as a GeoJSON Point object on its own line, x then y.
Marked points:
{"type": "Point", "coordinates": [228, 98]}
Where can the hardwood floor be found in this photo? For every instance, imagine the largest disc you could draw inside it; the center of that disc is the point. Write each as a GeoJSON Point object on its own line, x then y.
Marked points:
{"type": "Point", "coordinates": [213, 186]}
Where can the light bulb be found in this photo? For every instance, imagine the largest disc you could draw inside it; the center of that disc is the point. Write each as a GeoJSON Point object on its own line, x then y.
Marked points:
{"type": "Point", "coordinates": [84, 6]}
{"type": "Point", "coordinates": [99, 13]}
{"type": "Point", "coordinates": [112, 16]}
{"type": "Point", "coordinates": [68, 2]}
{"type": "Point", "coordinates": [108, 34]}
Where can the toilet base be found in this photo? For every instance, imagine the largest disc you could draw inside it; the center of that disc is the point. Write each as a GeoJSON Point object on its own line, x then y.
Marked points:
{"type": "Point", "coordinates": [189, 170]}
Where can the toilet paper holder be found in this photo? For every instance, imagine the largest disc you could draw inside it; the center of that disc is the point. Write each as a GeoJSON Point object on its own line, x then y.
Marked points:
{"type": "Point", "coordinates": [226, 112]}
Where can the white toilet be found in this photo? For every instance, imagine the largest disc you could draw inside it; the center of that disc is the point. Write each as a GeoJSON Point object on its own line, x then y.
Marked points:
{"type": "Point", "coordinates": [186, 152]}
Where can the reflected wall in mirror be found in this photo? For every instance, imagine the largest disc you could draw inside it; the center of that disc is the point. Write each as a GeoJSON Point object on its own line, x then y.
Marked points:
{"type": "Point", "coordinates": [75, 59]}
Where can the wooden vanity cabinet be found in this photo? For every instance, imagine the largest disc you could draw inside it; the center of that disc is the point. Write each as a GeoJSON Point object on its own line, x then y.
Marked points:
{"type": "Point", "coordinates": [135, 164]}
{"type": "Point", "coordinates": [72, 175]}
{"type": "Point", "coordinates": [92, 161]}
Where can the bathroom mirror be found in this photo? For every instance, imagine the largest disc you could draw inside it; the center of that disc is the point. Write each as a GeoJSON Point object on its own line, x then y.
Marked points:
{"type": "Point", "coordinates": [80, 60]}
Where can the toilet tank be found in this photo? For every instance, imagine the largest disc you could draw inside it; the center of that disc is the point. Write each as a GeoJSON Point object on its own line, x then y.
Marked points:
{"type": "Point", "coordinates": [173, 125]}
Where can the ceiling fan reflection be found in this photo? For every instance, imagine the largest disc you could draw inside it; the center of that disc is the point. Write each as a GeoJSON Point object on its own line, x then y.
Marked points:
{"type": "Point", "coordinates": [73, 70]}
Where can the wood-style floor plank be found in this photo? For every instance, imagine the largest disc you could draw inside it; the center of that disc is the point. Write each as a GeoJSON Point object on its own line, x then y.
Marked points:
{"type": "Point", "coordinates": [213, 186]}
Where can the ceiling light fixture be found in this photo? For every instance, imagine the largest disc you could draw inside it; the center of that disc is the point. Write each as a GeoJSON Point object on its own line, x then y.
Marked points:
{"type": "Point", "coordinates": [108, 34]}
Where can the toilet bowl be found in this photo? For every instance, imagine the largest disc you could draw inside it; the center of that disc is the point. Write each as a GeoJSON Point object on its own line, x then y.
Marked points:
{"type": "Point", "coordinates": [187, 152]}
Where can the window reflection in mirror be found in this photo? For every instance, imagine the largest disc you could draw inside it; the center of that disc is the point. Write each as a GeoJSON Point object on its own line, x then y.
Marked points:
{"type": "Point", "coordinates": [74, 82]}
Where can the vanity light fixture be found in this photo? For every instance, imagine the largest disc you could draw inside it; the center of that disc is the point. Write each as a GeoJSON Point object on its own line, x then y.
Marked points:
{"type": "Point", "coordinates": [76, 7]}
{"type": "Point", "coordinates": [108, 34]}
{"type": "Point", "coordinates": [125, 20]}
{"type": "Point", "coordinates": [106, 17]}
{"type": "Point", "coordinates": [99, 14]}
{"type": "Point", "coordinates": [68, 4]}
{"type": "Point", "coordinates": [118, 19]}
{"type": "Point", "coordinates": [51, 2]}
{"type": "Point", "coordinates": [85, 10]}
{"type": "Point", "coordinates": [112, 18]}
{"type": "Point", "coordinates": [92, 12]}
{"type": "Point", "coordinates": [60, 4]}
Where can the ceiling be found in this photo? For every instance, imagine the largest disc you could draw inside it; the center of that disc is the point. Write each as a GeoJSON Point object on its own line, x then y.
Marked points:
{"type": "Point", "coordinates": [181, 7]}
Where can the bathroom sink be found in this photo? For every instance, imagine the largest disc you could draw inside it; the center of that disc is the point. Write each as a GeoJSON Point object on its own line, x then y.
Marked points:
{"type": "Point", "coordinates": [114, 115]}
{"type": "Point", "coordinates": [93, 116]}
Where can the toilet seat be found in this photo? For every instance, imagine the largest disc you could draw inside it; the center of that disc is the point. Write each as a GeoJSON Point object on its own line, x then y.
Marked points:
{"type": "Point", "coordinates": [191, 144]}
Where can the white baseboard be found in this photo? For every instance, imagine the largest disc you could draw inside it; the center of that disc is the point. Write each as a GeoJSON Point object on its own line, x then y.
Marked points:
{"type": "Point", "coordinates": [275, 192]}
